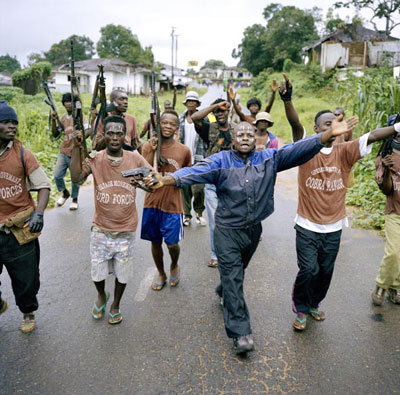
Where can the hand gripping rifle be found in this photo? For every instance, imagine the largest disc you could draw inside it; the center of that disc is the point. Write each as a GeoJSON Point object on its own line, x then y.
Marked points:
{"type": "Point", "coordinates": [77, 112]}
{"type": "Point", "coordinates": [49, 101]}
{"type": "Point", "coordinates": [138, 174]}
{"type": "Point", "coordinates": [101, 87]}
{"type": "Point", "coordinates": [386, 147]}
{"type": "Point", "coordinates": [155, 118]}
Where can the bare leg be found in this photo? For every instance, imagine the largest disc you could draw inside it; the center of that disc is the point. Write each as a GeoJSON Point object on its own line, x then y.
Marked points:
{"type": "Point", "coordinates": [101, 297]}
{"type": "Point", "coordinates": [158, 256]}
{"type": "Point", "coordinates": [118, 292]}
{"type": "Point", "coordinates": [174, 251]}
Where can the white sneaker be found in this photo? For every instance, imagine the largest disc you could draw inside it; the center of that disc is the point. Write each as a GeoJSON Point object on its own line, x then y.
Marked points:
{"type": "Point", "coordinates": [73, 206]}
{"type": "Point", "coordinates": [186, 221]}
{"type": "Point", "coordinates": [61, 200]}
{"type": "Point", "coordinates": [201, 221]}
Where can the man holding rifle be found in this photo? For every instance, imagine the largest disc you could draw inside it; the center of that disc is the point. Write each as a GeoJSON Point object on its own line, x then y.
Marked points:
{"type": "Point", "coordinates": [115, 218]}
{"type": "Point", "coordinates": [119, 107]}
{"type": "Point", "coordinates": [64, 157]}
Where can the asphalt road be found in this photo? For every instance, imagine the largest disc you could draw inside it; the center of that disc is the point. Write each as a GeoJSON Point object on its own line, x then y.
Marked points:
{"type": "Point", "coordinates": [174, 341]}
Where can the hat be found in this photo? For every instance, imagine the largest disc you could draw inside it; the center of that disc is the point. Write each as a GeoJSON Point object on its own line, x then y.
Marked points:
{"type": "Point", "coordinates": [391, 119]}
{"type": "Point", "coordinates": [192, 95]}
{"type": "Point", "coordinates": [7, 113]}
{"type": "Point", "coordinates": [263, 116]}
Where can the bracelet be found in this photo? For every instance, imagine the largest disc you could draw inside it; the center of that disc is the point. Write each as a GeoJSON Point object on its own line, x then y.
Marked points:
{"type": "Point", "coordinates": [397, 127]}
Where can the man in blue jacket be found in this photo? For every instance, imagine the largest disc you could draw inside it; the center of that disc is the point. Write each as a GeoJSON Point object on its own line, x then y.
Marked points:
{"type": "Point", "coordinates": [245, 179]}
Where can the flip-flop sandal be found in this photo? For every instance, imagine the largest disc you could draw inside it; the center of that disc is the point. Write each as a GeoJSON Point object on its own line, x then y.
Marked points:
{"type": "Point", "coordinates": [112, 320]}
{"type": "Point", "coordinates": [174, 281]}
{"type": "Point", "coordinates": [212, 263]}
{"type": "Point", "coordinates": [3, 307]}
{"type": "Point", "coordinates": [158, 286]}
{"type": "Point", "coordinates": [100, 310]}
{"type": "Point", "coordinates": [317, 314]}
{"type": "Point", "coordinates": [300, 322]}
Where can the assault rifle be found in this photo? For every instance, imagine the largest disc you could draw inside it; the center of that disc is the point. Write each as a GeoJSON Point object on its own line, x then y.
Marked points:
{"type": "Point", "coordinates": [138, 174]}
{"type": "Point", "coordinates": [155, 118]}
{"type": "Point", "coordinates": [386, 147]}
{"type": "Point", "coordinates": [77, 112]}
{"type": "Point", "coordinates": [49, 101]}
{"type": "Point", "coordinates": [101, 87]}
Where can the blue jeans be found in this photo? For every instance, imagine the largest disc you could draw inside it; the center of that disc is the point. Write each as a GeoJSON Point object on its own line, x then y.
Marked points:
{"type": "Point", "coordinates": [63, 163]}
{"type": "Point", "coordinates": [211, 205]}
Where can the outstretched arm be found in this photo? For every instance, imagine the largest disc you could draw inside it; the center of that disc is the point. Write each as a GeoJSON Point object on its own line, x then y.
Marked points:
{"type": "Point", "coordinates": [383, 133]}
{"type": "Point", "coordinates": [271, 100]}
{"type": "Point", "coordinates": [285, 92]}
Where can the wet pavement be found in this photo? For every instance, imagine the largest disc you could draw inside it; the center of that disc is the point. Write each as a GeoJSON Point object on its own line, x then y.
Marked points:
{"type": "Point", "coordinates": [174, 341]}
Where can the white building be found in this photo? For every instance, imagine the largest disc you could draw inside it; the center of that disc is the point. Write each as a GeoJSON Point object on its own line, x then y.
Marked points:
{"type": "Point", "coordinates": [118, 74]}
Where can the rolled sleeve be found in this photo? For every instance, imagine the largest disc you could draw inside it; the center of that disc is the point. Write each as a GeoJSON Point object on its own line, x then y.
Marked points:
{"type": "Point", "coordinates": [364, 147]}
{"type": "Point", "coordinates": [38, 180]}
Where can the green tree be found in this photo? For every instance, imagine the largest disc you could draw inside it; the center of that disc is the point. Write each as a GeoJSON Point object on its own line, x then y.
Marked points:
{"type": "Point", "coordinates": [35, 57]}
{"type": "Point", "coordinates": [117, 41]}
{"type": "Point", "coordinates": [389, 10]}
{"type": "Point", "coordinates": [287, 31]}
{"type": "Point", "coordinates": [9, 64]}
{"type": "Point", "coordinates": [251, 51]}
{"type": "Point", "coordinates": [213, 64]}
{"type": "Point", "coordinates": [61, 53]}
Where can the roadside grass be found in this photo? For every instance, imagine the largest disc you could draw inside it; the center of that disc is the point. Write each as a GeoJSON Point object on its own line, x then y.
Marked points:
{"type": "Point", "coordinates": [33, 131]}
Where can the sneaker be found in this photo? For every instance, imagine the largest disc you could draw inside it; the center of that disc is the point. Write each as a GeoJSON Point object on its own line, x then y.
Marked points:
{"type": "Point", "coordinates": [243, 344]}
{"type": "Point", "coordinates": [28, 323]}
{"type": "Point", "coordinates": [201, 220]}
{"type": "Point", "coordinates": [73, 206]}
{"type": "Point", "coordinates": [186, 221]}
{"type": "Point", "coordinates": [378, 296]}
{"type": "Point", "coordinates": [394, 295]}
{"type": "Point", "coordinates": [62, 199]}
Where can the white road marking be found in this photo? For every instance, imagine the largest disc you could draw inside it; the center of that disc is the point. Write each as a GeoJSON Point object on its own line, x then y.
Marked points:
{"type": "Point", "coordinates": [145, 284]}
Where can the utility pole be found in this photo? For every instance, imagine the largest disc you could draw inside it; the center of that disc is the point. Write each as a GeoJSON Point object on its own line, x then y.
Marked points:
{"type": "Point", "coordinates": [172, 56]}
{"type": "Point", "coordinates": [176, 50]}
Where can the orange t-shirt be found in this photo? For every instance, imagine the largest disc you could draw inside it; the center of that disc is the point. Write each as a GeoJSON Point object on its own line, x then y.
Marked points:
{"type": "Point", "coordinates": [392, 200]}
{"type": "Point", "coordinates": [131, 132]}
{"type": "Point", "coordinates": [14, 194]}
{"type": "Point", "coordinates": [168, 199]}
{"type": "Point", "coordinates": [68, 143]}
{"type": "Point", "coordinates": [114, 196]}
{"type": "Point", "coordinates": [323, 182]}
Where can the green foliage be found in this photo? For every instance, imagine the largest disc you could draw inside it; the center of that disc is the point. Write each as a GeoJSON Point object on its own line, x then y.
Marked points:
{"type": "Point", "coordinates": [29, 79]}
{"type": "Point", "coordinates": [372, 99]}
{"type": "Point", "coordinates": [35, 57]}
{"type": "Point", "coordinates": [9, 64]}
{"type": "Point", "coordinates": [117, 41]}
{"type": "Point", "coordinates": [9, 92]}
{"type": "Point", "coordinates": [287, 65]}
{"type": "Point", "coordinates": [61, 53]}
{"type": "Point", "coordinates": [381, 9]}
{"type": "Point", "coordinates": [213, 64]}
{"type": "Point", "coordinates": [287, 31]}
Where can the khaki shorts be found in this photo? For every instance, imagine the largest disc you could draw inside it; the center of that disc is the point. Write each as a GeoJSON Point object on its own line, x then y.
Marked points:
{"type": "Point", "coordinates": [111, 255]}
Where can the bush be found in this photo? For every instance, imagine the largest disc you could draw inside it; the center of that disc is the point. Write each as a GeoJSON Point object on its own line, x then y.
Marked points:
{"type": "Point", "coordinates": [8, 93]}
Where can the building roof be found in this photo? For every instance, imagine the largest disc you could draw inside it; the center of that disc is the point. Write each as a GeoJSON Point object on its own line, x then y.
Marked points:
{"type": "Point", "coordinates": [352, 33]}
{"type": "Point", "coordinates": [110, 64]}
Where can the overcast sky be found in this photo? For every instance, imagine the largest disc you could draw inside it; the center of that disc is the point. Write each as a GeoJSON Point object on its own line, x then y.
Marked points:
{"type": "Point", "coordinates": [207, 29]}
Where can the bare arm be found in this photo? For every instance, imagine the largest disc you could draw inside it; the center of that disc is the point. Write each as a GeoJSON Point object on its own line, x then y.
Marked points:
{"type": "Point", "coordinates": [338, 128]}
{"type": "Point", "coordinates": [77, 174]}
{"type": "Point", "coordinates": [200, 114]}
{"type": "Point", "coordinates": [42, 199]}
{"type": "Point", "coordinates": [271, 100]}
{"type": "Point", "coordinates": [380, 134]}
{"type": "Point", "coordinates": [387, 185]}
{"type": "Point", "coordinates": [243, 117]}
{"type": "Point", "coordinates": [54, 129]}
{"type": "Point", "coordinates": [294, 121]}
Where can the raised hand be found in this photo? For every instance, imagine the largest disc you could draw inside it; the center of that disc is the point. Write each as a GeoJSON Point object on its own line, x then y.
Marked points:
{"type": "Point", "coordinates": [340, 127]}
{"type": "Point", "coordinates": [274, 86]}
{"type": "Point", "coordinates": [285, 89]}
{"type": "Point", "coordinates": [232, 94]}
{"type": "Point", "coordinates": [153, 143]}
{"type": "Point", "coordinates": [77, 138]}
{"type": "Point", "coordinates": [224, 106]}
